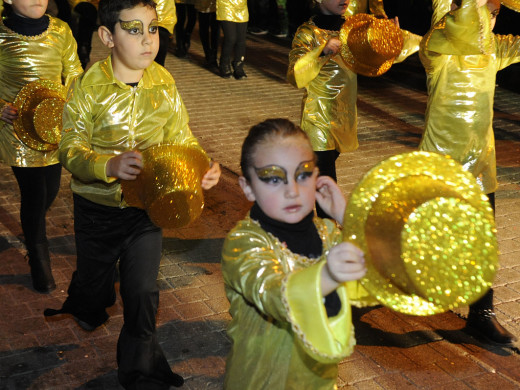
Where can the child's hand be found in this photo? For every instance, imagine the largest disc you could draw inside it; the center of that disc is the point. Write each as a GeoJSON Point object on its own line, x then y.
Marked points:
{"type": "Point", "coordinates": [345, 262]}
{"type": "Point", "coordinates": [211, 177]}
{"type": "Point", "coordinates": [9, 113]}
{"type": "Point", "coordinates": [330, 198]}
{"type": "Point", "coordinates": [125, 166]}
{"type": "Point", "coordinates": [395, 21]}
{"type": "Point", "coordinates": [332, 46]}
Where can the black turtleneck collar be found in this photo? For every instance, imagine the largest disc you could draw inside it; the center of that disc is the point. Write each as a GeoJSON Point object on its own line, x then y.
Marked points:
{"type": "Point", "coordinates": [27, 26]}
{"type": "Point", "coordinates": [327, 22]}
{"type": "Point", "coordinates": [301, 238]}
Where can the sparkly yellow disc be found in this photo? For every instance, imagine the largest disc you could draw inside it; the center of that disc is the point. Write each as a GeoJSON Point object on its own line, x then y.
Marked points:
{"type": "Point", "coordinates": [428, 233]}
{"type": "Point", "coordinates": [169, 185]}
{"type": "Point", "coordinates": [48, 120]}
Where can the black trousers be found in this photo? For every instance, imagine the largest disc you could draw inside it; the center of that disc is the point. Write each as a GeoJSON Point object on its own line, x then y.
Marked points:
{"type": "Point", "coordinates": [164, 42]}
{"type": "Point", "coordinates": [105, 235]}
{"type": "Point", "coordinates": [209, 33]}
{"type": "Point", "coordinates": [234, 43]}
{"type": "Point", "coordinates": [39, 187]}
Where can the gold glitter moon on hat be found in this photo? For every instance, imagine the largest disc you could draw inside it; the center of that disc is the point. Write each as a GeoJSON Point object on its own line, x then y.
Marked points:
{"type": "Point", "coordinates": [40, 109]}
{"type": "Point", "coordinates": [428, 233]}
{"type": "Point", "coordinates": [370, 45]}
{"type": "Point", "coordinates": [169, 185]}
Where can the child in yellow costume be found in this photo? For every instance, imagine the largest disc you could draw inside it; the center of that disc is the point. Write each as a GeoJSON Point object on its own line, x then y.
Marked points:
{"type": "Point", "coordinates": [33, 46]}
{"type": "Point", "coordinates": [288, 276]}
{"type": "Point", "coordinates": [329, 113]}
{"type": "Point", "coordinates": [462, 56]}
{"type": "Point", "coordinates": [121, 105]}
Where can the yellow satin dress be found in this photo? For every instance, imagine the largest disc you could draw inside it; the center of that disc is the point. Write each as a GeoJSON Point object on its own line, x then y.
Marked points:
{"type": "Point", "coordinates": [281, 335]}
{"type": "Point", "coordinates": [232, 11]}
{"type": "Point", "coordinates": [461, 57]}
{"type": "Point", "coordinates": [105, 117]}
{"type": "Point", "coordinates": [51, 55]}
{"type": "Point", "coordinates": [329, 112]}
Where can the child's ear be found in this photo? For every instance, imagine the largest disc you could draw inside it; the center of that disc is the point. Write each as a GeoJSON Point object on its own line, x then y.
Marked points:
{"type": "Point", "coordinates": [106, 37]}
{"type": "Point", "coordinates": [246, 188]}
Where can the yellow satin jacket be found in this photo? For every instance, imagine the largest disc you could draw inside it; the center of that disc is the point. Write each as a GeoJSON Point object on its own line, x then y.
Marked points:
{"type": "Point", "coordinates": [281, 335]}
{"type": "Point", "coordinates": [166, 14]}
{"type": "Point", "coordinates": [329, 112]}
{"type": "Point", "coordinates": [105, 117]}
{"type": "Point", "coordinates": [461, 57]}
{"type": "Point", "coordinates": [232, 11]}
{"type": "Point", "coordinates": [51, 55]}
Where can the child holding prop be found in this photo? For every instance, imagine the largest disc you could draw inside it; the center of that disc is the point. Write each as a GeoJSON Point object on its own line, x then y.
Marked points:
{"type": "Point", "coordinates": [289, 278]}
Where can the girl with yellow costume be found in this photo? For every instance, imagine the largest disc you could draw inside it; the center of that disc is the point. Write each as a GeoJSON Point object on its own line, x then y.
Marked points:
{"type": "Point", "coordinates": [461, 57]}
{"type": "Point", "coordinates": [33, 46]}
{"type": "Point", "coordinates": [288, 276]}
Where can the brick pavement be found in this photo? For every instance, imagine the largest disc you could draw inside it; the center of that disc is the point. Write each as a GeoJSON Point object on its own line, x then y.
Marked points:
{"type": "Point", "coordinates": [394, 351]}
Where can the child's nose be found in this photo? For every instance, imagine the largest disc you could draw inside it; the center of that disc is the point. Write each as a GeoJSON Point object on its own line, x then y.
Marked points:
{"type": "Point", "coordinates": [291, 189]}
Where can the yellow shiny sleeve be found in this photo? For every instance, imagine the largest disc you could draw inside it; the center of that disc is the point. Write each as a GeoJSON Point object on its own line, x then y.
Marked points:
{"type": "Point", "coordinates": [75, 152]}
{"type": "Point", "coordinates": [377, 8]}
{"type": "Point", "coordinates": [410, 46]}
{"type": "Point", "coordinates": [507, 50]}
{"type": "Point", "coordinates": [440, 8]}
{"type": "Point", "coordinates": [305, 59]}
{"type": "Point", "coordinates": [251, 267]}
{"type": "Point", "coordinates": [325, 339]}
{"type": "Point", "coordinates": [465, 31]}
{"type": "Point", "coordinates": [166, 14]}
{"type": "Point", "coordinates": [70, 60]}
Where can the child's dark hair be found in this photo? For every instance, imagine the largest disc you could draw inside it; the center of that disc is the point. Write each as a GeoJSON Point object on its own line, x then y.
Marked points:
{"type": "Point", "coordinates": [109, 10]}
{"type": "Point", "coordinates": [263, 133]}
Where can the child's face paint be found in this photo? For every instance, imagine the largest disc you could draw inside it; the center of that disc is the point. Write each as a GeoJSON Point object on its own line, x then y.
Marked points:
{"type": "Point", "coordinates": [283, 179]}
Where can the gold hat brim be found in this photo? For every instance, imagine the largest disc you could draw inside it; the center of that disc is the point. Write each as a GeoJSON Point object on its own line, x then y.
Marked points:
{"type": "Point", "coordinates": [169, 185]}
{"type": "Point", "coordinates": [49, 128]}
{"type": "Point", "coordinates": [445, 254]}
{"type": "Point", "coordinates": [356, 64]}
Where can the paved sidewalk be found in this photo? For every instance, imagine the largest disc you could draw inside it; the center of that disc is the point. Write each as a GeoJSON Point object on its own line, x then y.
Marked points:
{"type": "Point", "coordinates": [394, 351]}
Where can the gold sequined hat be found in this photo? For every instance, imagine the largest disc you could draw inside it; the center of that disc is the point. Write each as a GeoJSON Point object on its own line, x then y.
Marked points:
{"type": "Point", "coordinates": [370, 45]}
{"type": "Point", "coordinates": [428, 234]}
{"type": "Point", "coordinates": [169, 185]}
{"type": "Point", "coordinates": [40, 109]}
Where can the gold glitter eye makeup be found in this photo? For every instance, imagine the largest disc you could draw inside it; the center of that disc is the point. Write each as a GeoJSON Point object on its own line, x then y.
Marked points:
{"type": "Point", "coordinates": [153, 27]}
{"type": "Point", "coordinates": [304, 170]}
{"type": "Point", "coordinates": [271, 174]}
{"type": "Point", "coordinates": [132, 26]}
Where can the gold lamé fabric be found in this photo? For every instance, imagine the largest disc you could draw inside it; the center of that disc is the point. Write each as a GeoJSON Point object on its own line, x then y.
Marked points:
{"type": "Point", "coordinates": [329, 112]}
{"type": "Point", "coordinates": [281, 335]}
{"type": "Point", "coordinates": [363, 6]}
{"type": "Point", "coordinates": [428, 233]}
{"type": "Point", "coordinates": [51, 55]}
{"type": "Point", "coordinates": [166, 14]}
{"type": "Point", "coordinates": [461, 57]}
{"type": "Point", "coordinates": [232, 11]}
{"type": "Point", "coordinates": [105, 117]}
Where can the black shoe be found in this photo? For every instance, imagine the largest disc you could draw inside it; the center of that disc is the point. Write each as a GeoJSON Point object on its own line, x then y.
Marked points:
{"type": "Point", "coordinates": [225, 69]}
{"type": "Point", "coordinates": [484, 323]}
{"type": "Point", "coordinates": [85, 325]}
{"type": "Point", "coordinates": [238, 67]}
{"type": "Point", "coordinates": [41, 274]}
{"type": "Point", "coordinates": [180, 52]}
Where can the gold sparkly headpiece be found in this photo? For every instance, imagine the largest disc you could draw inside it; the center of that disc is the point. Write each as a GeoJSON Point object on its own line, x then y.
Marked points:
{"type": "Point", "coordinates": [428, 234]}
{"type": "Point", "coordinates": [370, 45]}
{"type": "Point", "coordinates": [40, 109]}
{"type": "Point", "coordinates": [169, 185]}
{"type": "Point", "coordinates": [512, 4]}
